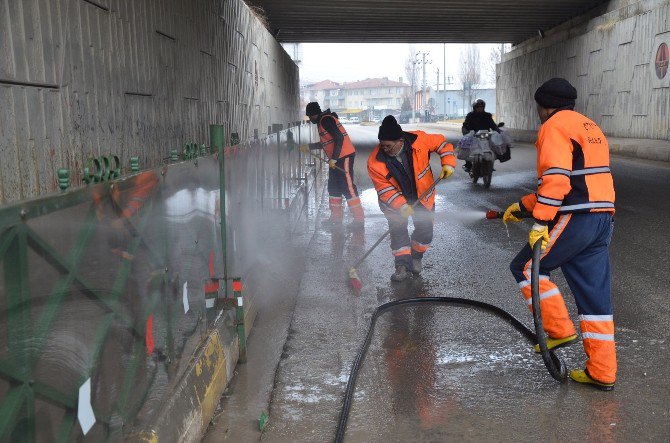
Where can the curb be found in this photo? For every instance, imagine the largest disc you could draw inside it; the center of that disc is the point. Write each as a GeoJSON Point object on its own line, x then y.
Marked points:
{"type": "Point", "coordinates": [644, 149]}
{"type": "Point", "coordinates": [185, 415]}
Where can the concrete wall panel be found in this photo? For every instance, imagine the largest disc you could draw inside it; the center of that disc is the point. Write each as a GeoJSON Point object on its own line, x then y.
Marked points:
{"type": "Point", "coordinates": [609, 59]}
{"type": "Point", "coordinates": [81, 79]}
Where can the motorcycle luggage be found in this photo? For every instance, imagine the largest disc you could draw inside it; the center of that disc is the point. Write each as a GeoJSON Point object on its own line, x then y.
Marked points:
{"type": "Point", "coordinates": [506, 156]}
{"type": "Point", "coordinates": [497, 145]}
{"type": "Point", "coordinates": [465, 147]}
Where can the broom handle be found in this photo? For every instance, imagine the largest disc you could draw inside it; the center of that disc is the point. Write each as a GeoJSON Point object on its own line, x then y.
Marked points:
{"type": "Point", "coordinates": [326, 161]}
{"type": "Point", "coordinates": [388, 231]}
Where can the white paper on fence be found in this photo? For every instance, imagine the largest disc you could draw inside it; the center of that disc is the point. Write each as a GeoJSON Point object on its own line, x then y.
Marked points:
{"type": "Point", "coordinates": [185, 297]}
{"type": "Point", "coordinates": [85, 410]}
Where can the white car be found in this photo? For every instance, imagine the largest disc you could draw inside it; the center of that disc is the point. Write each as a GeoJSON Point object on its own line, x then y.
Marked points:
{"type": "Point", "coordinates": [354, 120]}
{"type": "Point", "coordinates": [344, 120]}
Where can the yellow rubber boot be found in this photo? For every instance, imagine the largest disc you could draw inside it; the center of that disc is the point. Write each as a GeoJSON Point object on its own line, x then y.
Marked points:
{"type": "Point", "coordinates": [580, 376]}
{"type": "Point", "coordinates": [553, 343]}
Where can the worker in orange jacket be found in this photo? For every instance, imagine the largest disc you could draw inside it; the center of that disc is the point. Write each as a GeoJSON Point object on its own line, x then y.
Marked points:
{"type": "Point", "coordinates": [341, 154]}
{"type": "Point", "coordinates": [400, 170]}
{"type": "Point", "coordinates": [573, 210]}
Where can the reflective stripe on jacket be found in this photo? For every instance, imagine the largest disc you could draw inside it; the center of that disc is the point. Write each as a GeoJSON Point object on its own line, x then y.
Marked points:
{"type": "Point", "coordinates": [573, 168]}
{"type": "Point", "coordinates": [388, 188]}
{"type": "Point", "coordinates": [328, 142]}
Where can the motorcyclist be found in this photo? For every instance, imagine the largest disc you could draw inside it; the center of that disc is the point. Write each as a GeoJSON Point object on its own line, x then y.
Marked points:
{"type": "Point", "coordinates": [477, 120]}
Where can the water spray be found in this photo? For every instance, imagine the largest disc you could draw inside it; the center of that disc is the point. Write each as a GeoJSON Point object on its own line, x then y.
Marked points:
{"type": "Point", "coordinates": [354, 279]}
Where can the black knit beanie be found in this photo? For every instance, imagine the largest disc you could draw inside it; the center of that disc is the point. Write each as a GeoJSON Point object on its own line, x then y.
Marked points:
{"type": "Point", "coordinates": [390, 129]}
{"type": "Point", "coordinates": [313, 108]}
{"type": "Point", "coordinates": [556, 93]}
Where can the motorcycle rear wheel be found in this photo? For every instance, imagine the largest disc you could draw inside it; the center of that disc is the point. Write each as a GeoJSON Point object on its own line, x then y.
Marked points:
{"type": "Point", "coordinates": [487, 174]}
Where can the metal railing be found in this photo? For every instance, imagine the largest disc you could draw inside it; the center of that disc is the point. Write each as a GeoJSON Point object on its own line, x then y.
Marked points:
{"type": "Point", "coordinates": [108, 284]}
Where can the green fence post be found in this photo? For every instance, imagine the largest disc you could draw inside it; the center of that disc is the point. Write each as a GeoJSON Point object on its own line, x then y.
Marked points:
{"type": "Point", "coordinates": [216, 137]}
{"type": "Point", "coordinates": [239, 316]}
{"type": "Point", "coordinates": [63, 179]}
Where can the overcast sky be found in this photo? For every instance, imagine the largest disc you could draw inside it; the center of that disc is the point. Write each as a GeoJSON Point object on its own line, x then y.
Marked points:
{"type": "Point", "coordinates": [342, 62]}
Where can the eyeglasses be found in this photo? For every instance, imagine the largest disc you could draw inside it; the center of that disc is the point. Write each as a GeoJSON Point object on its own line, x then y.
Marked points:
{"type": "Point", "coordinates": [390, 144]}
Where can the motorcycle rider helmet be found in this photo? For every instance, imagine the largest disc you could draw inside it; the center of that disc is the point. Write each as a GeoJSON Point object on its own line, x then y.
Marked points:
{"type": "Point", "coordinates": [478, 102]}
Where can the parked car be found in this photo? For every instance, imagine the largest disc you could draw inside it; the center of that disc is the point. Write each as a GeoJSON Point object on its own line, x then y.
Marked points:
{"type": "Point", "coordinates": [344, 120]}
{"type": "Point", "coordinates": [354, 120]}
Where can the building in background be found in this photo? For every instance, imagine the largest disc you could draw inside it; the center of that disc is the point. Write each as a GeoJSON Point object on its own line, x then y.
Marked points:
{"type": "Point", "coordinates": [368, 99]}
{"type": "Point", "coordinates": [454, 102]}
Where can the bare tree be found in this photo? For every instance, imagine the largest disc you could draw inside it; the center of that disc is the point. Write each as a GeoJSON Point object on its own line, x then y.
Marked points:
{"type": "Point", "coordinates": [495, 57]}
{"type": "Point", "coordinates": [412, 73]}
{"type": "Point", "coordinates": [470, 71]}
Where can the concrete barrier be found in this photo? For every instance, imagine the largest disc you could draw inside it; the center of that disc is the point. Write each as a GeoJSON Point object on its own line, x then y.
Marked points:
{"type": "Point", "coordinates": [641, 148]}
{"type": "Point", "coordinates": [185, 417]}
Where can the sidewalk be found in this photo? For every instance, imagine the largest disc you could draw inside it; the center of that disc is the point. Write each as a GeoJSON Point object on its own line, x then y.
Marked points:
{"type": "Point", "coordinates": [642, 148]}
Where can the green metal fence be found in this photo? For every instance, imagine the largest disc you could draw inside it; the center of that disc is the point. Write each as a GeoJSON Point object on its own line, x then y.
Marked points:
{"type": "Point", "coordinates": [110, 283]}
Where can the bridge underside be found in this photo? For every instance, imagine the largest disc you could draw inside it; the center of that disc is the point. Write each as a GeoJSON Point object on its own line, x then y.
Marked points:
{"type": "Point", "coordinates": [420, 21]}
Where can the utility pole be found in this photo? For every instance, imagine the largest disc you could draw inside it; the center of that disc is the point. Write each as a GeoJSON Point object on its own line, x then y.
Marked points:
{"type": "Point", "coordinates": [437, 94]}
{"type": "Point", "coordinates": [423, 87]}
{"type": "Point", "coordinates": [413, 91]}
{"type": "Point", "coordinates": [444, 75]}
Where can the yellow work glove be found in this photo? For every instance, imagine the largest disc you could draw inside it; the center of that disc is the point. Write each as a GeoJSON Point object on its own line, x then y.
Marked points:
{"type": "Point", "coordinates": [304, 149]}
{"type": "Point", "coordinates": [332, 163]}
{"type": "Point", "coordinates": [406, 210]}
{"type": "Point", "coordinates": [446, 171]}
{"type": "Point", "coordinates": [539, 232]}
{"type": "Point", "coordinates": [508, 216]}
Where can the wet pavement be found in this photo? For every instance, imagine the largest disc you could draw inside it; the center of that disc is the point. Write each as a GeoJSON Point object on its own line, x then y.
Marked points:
{"type": "Point", "coordinates": [436, 373]}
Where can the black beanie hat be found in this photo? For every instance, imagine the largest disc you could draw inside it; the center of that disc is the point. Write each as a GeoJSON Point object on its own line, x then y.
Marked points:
{"type": "Point", "coordinates": [390, 129]}
{"type": "Point", "coordinates": [313, 108]}
{"type": "Point", "coordinates": [556, 93]}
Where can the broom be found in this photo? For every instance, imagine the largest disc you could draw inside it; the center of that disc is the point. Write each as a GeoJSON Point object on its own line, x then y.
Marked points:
{"type": "Point", "coordinates": [354, 280]}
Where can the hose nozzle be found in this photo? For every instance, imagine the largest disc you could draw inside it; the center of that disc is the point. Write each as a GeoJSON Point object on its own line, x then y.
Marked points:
{"type": "Point", "coordinates": [490, 215]}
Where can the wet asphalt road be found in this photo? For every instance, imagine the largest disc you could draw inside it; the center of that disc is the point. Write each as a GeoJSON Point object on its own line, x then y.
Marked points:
{"type": "Point", "coordinates": [443, 373]}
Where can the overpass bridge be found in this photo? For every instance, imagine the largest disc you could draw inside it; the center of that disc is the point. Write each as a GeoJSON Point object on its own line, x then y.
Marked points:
{"type": "Point", "coordinates": [154, 206]}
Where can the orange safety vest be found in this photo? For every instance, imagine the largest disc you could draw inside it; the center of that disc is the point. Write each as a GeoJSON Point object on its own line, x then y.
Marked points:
{"type": "Point", "coordinates": [573, 168]}
{"type": "Point", "coordinates": [329, 144]}
{"type": "Point", "coordinates": [388, 188]}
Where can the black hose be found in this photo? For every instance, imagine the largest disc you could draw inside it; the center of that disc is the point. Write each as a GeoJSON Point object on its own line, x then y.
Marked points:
{"type": "Point", "coordinates": [555, 365]}
{"type": "Point", "coordinates": [358, 360]}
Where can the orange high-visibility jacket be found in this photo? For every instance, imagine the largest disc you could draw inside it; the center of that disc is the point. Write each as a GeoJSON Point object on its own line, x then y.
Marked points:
{"type": "Point", "coordinates": [329, 144]}
{"type": "Point", "coordinates": [573, 168]}
{"type": "Point", "coordinates": [422, 144]}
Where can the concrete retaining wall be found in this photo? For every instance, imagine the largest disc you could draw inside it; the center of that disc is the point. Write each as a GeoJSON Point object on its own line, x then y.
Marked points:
{"type": "Point", "coordinates": [86, 78]}
{"type": "Point", "coordinates": [193, 401]}
{"type": "Point", "coordinates": [609, 56]}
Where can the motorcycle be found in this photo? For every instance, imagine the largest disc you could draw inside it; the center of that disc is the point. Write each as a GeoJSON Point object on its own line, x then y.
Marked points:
{"type": "Point", "coordinates": [482, 148]}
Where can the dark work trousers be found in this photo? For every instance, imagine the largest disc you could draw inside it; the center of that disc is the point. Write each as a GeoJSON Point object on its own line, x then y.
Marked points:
{"type": "Point", "coordinates": [404, 247]}
{"type": "Point", "coordinates": [341, 184]}
{"type": "Point", "coordinates": [579, 245]}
